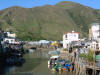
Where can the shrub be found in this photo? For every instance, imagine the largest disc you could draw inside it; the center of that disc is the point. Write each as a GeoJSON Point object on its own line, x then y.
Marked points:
{"type": "Point", "coordinates": [88, 56]}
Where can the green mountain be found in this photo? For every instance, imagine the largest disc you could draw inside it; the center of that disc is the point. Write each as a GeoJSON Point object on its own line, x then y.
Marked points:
{"type": "Point", "coordinates": [48, 22]}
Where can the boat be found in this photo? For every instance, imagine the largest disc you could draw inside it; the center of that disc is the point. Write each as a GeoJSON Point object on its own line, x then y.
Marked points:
{"type": "Point", "coordinates": [53, 53]}
{"type": "Point", "coordinates": [55, 63]}
{"type": "Point", "coordinates": [52, 60]}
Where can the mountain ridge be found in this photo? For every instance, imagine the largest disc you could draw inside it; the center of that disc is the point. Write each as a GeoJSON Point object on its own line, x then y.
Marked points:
{"type": "Point", "coordinates": [49, 21]}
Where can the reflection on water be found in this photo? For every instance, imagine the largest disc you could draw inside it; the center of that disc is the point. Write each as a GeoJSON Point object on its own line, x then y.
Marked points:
{"type": "Point", "coordinates": [36, 64]}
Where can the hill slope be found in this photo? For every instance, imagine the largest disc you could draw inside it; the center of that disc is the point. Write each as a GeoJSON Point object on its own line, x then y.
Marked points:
{"type": "Point", "coordinates": [48, 22]}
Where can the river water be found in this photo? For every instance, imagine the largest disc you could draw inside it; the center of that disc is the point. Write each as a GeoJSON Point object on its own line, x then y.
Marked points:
{"type": "Point", "coordinates": [35, 64]}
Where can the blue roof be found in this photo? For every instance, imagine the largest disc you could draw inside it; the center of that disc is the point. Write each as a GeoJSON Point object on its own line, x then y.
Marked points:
{"type": "Point", "coordinates": [95, 23]}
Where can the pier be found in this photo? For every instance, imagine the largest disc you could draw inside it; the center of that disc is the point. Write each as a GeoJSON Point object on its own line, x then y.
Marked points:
{"type": "Point", "coordinates": [81, 66]}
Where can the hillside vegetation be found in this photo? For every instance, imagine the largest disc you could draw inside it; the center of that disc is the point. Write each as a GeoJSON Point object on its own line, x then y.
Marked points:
{"type": "Point", "coordinates": [48, 22]}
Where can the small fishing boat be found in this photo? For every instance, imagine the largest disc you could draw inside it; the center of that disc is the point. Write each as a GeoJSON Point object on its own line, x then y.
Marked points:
{"type": "Point", "coordinates": [57, 64]}
{"type": "Point", "coordinates": [52, 60]}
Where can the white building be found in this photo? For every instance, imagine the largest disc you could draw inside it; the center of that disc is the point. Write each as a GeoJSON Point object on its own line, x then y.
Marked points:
{"type": "Point", "coordinates": [94, 35]}
{"type": "Point", "coordinates": [95, 31]}
{"type": "Point", "coordinates": [69, 37]}
{"type": "Point", "coordinates": [9, 38]}
{"type": "Point", "coordinates": [93, 45]}
{"type": "Point", "coordinates": [10, 34]}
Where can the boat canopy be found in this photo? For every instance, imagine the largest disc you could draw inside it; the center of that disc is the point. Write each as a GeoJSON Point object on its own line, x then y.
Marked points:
{"type": "Point", "coordinates": [53, 57]}
{"type": "Point", "coordinates": [54, 52]}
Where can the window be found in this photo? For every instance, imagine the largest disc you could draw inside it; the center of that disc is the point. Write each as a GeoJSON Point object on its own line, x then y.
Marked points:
{"type": "Point", "coordinates": [65, 36]}
{"type": "Point", "coordinates": [74, 35]}
{"type": "Point", "coordinates": [11, 40]}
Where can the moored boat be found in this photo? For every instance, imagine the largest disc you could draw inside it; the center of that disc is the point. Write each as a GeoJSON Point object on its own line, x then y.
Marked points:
{"type": "Point", "coordinates": [55, 63]}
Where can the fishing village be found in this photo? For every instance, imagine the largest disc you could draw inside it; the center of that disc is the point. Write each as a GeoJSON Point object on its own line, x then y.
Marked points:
{"type": "Point", "coordinates": [72, 55]}
{"type": "Point", "coordinates": [49, 37]}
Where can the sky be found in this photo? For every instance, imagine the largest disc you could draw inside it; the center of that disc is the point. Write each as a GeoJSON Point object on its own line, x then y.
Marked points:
{"type": "Point", "coordinates": [33, 3]}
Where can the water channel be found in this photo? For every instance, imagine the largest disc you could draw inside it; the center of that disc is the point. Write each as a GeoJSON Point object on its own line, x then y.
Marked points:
{"type": "Point", "coordinates": [35, 64]}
